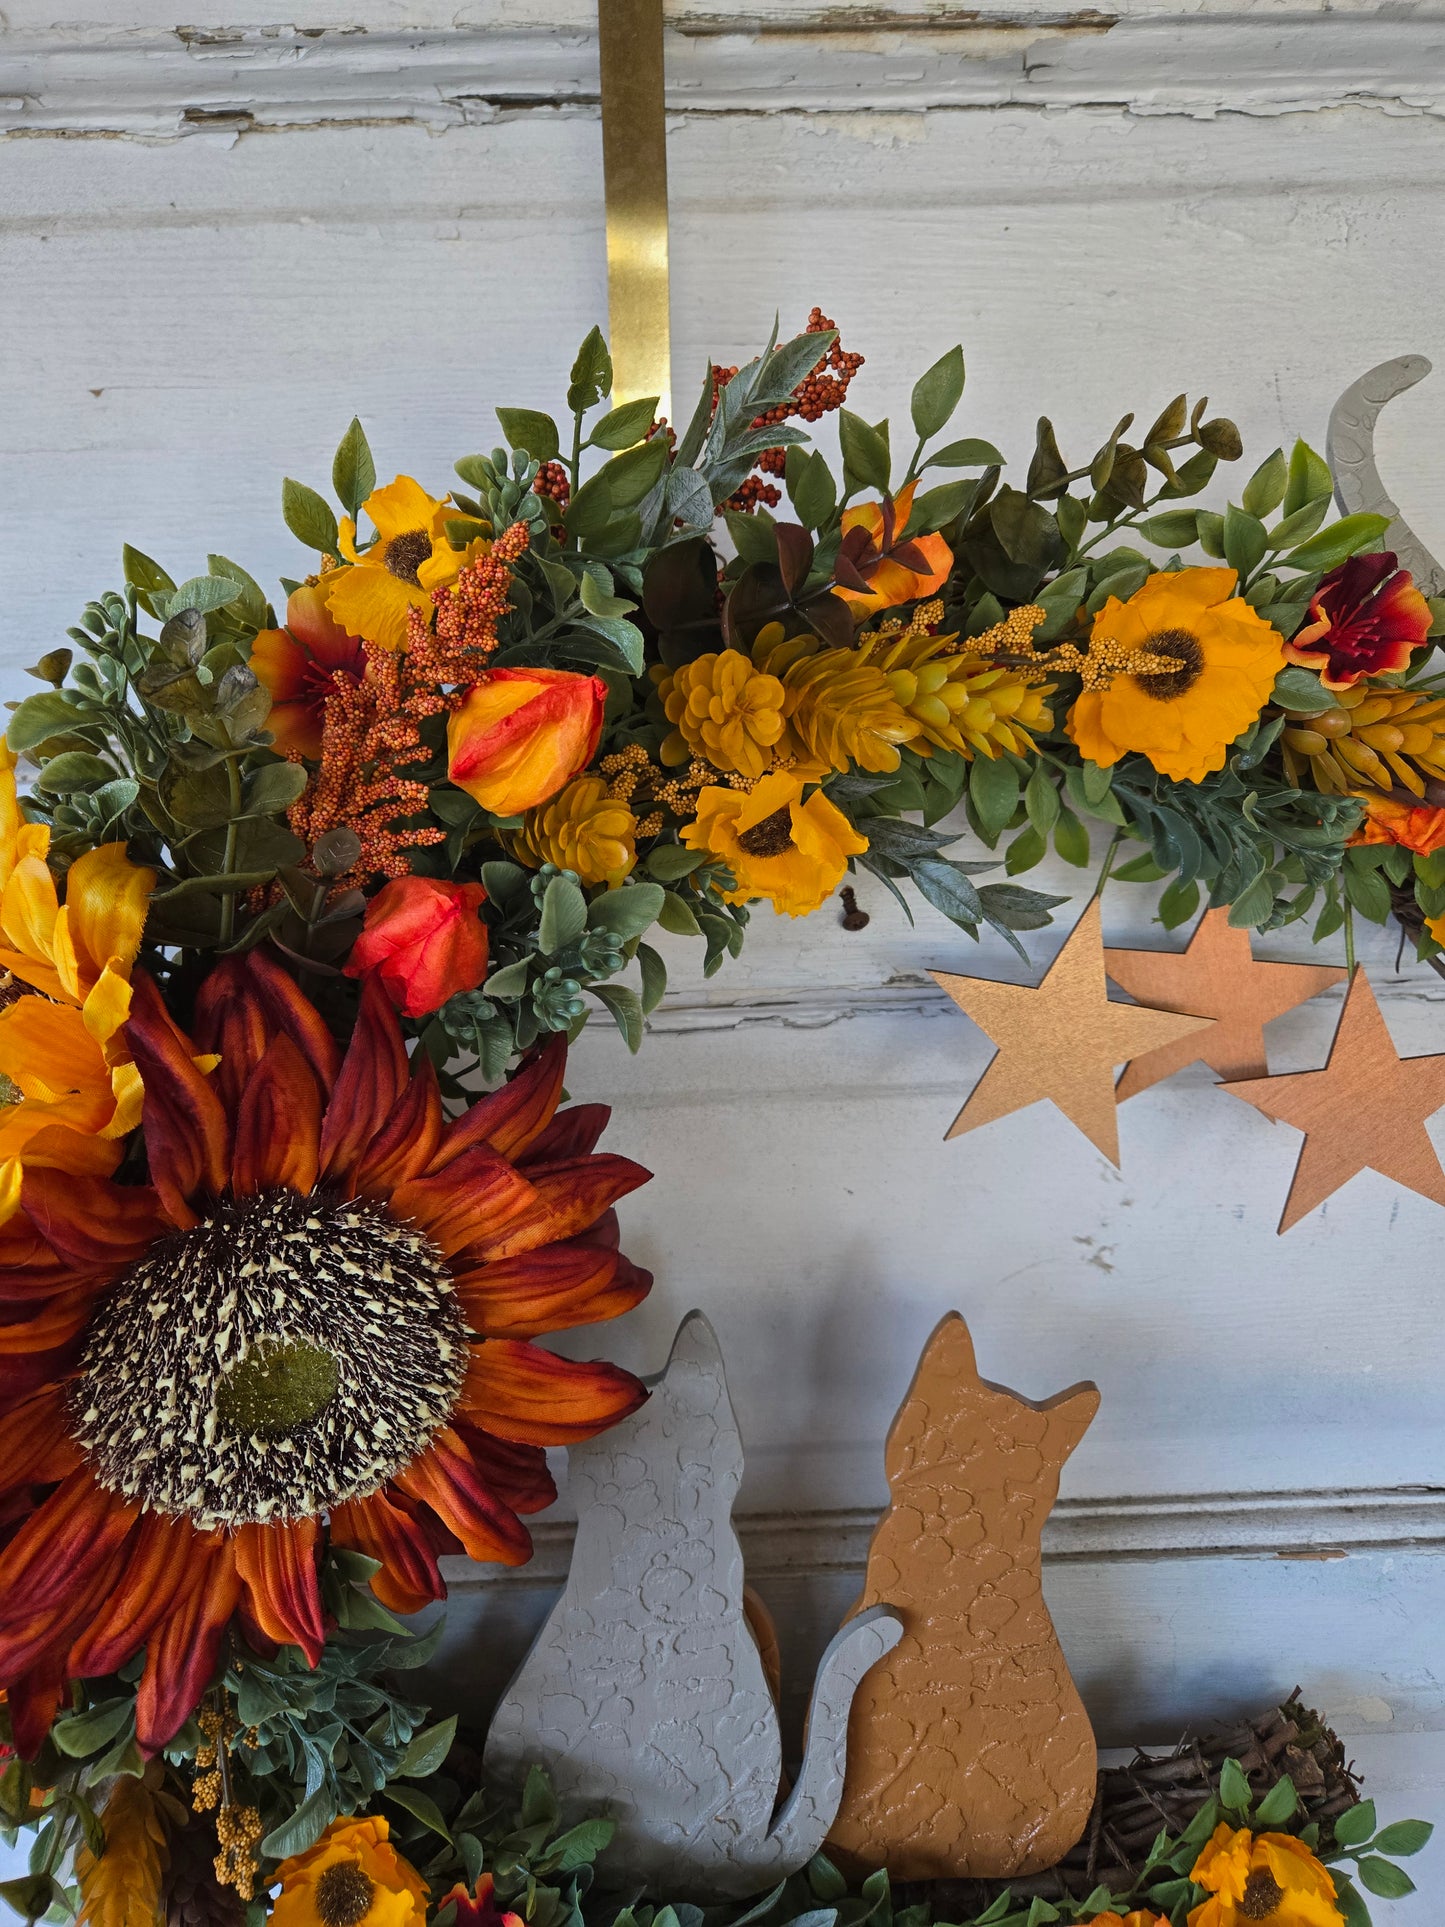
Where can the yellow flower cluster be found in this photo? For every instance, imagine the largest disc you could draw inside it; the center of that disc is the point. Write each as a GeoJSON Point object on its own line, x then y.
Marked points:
{"type": "Point", "coordinates": [1375, 735]}
{"type": "Point", "coordinates": [961, 697]}
{"type": "Point", "coordinates": [585, 829]}
{"type": "Point", "coordinates": [791, 703]}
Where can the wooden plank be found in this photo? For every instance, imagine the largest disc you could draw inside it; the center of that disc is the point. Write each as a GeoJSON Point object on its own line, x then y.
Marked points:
{"type": "Point", "coordinates": [1156, 1646]}
{"type": "Point", "coordinates": [166, 82]}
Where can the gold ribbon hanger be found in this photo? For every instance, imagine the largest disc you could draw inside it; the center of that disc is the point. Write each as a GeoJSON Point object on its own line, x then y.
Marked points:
{"type": "Point", "coordinates": [634, 166]}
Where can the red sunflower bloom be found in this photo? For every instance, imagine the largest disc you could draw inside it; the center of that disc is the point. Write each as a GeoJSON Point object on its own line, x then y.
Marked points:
{"type": "Point", "coordinates": [299, 665]}
{"type": "Point", "coordinates": [319, 1309]}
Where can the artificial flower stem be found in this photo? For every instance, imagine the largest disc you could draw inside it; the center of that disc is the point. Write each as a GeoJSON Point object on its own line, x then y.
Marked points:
{"type": "Point", "coordinates": [1107, 865]}
{"type": "Point", "coordinates": [228, 860]}
{"type": "Point", "coordinates": [1350, 964]}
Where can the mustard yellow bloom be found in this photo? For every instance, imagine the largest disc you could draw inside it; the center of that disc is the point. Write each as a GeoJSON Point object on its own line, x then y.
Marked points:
{"type": "Point", "coordinates": [725, 710]}
{"type": "Point", "coordinates": [65, 1050]}
{"type": "Point", "coordinates": [409, 559]}
{"type": "Point", "coordinates": [583, 829]}
{"type": "Point", "coordinates": [1210, 666]}
{"type": "Point", "coordinates": [962, 703]}
{"type": "Point", "coordinates": [791, 852]}
{"type": "Point", "coordinates": [1262, 1880]}
{"type": "Point", "coordinates": [352, 1877]}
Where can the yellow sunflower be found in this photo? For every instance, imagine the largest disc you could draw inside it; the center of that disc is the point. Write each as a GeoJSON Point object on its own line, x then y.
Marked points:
{"type": "Point", "coordinates": [352, 1877]}
{"type": "Point", "coordinates": [1209, 664]}
{"type": "Point", "coordinates": [64, 1050]}
{"type": "Point", "coordinates": [410, 558]}
{"type": "Point", "coordinates": [1262, 1880]}
{"type": "Point", "coordinates": [777, 846]}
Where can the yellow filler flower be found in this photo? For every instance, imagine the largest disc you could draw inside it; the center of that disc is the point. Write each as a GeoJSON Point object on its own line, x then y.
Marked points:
{"type": "Point", "coordinates": [1195, 667]}
{"type": "Point", "coordinates": [410, 558]}
{"type": "Point", "coordinates": [777, 846]}
{"type": "Point", "coordinates": [64, 1050]}
{"type": "Point", "coordinates": [1262, 1880]}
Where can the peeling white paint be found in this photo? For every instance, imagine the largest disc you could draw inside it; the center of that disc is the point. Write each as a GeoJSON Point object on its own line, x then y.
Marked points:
{"type": "Point", "coordinates": [162, 82]}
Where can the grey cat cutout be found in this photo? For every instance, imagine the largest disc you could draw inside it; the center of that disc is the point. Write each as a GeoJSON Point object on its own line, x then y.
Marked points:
{"type": "Point", "coordinates": [644, 1694]}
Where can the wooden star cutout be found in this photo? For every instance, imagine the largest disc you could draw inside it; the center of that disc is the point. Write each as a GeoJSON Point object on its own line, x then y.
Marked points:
{"type": "Point", "coordinates": [1365, 1110]}
{"type": "Point", "coordinates": [1062, 1040]}
{"type": "Point", "coordinates": [1215, 976]}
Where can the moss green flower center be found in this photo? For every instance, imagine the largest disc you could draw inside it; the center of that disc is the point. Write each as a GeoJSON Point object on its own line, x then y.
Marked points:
{"type": "Point", "coordinates": [279, 1385]}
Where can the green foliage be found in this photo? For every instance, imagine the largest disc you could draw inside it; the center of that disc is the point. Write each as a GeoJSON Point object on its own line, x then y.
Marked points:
{"type": "Point", "coordinates": [153, 728]}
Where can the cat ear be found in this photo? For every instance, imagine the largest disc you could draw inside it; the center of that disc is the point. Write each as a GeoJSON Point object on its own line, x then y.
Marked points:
{"type": "Point", "coordinates": [695, 1345]}
{"type": "Point", "coordinates": [1069, 1416]}
{"type": "Point", "coordinates": [950, 1350]}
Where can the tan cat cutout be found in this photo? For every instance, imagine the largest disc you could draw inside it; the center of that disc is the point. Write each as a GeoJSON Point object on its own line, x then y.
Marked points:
{"type": "Point", "coordinates": [969, 1750]}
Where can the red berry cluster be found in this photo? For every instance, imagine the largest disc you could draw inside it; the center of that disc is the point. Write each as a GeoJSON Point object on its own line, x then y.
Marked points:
{"type": "Point", "coordinates": [754, 490]}
{"type": "Point", "coordinates": [816, 395]}
{"type": "Point", "coordinates": [552, 482]}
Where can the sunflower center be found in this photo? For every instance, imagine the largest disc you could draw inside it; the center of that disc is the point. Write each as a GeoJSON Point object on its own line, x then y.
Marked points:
{"type": "Point", "coordinates": [405, 554]}
{"type": "Point", "coordinates": [1262, 1894]}
{"type": "Point", "coordinates": [772, 837]}
{"type": "Point", "coordinates": [280, 1385]}
{"type": "Point", "coordinates": [1167, 685]}
{"type": "Point", "coordinates": [344, 1895]}
{"type": "Point", "coordinates": [286, 1355]}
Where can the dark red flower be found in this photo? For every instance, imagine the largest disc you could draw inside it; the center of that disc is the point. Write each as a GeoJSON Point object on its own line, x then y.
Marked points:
{"type": "Point", "coordinates": [425, 941]}
{"type": "Point", "coordinates": [1365, 618]}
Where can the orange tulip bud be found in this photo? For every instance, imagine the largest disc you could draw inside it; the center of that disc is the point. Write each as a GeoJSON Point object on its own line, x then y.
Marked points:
{"type": "Point", "coordinates": [425, 940]}
{"type": "Point", "coordinates": [522, 734]}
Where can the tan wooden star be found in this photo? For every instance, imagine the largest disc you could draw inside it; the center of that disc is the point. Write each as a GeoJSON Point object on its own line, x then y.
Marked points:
{"type": "Point", "coordinates": [1365, 1110]}
{"type": "Point", "coordinates": [1218, 976]}
{"type": "Point", "coordinates": [1062, 1041]}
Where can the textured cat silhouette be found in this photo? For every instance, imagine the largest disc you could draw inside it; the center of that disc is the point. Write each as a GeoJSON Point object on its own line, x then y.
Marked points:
{"type": "Point", "coordinates": [969, 1750]}
{"type": "Point", "coordinates": [644, 1695]}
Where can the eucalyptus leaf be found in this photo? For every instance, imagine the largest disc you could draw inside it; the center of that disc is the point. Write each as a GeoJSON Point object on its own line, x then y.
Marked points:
{"type": "Point", "coordinates": [626, 1008]}
{"type": "Point", "coordinates": [627, 911]}
{"type": "Point", "coordinates": [301, 1829]}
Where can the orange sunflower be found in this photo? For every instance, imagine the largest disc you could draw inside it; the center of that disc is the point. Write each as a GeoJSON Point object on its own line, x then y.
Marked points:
{"type": "Point", "coordinates": [319, 1309]}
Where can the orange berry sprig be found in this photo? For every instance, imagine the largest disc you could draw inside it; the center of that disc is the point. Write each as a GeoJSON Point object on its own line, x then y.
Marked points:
{"type": "Point", "coordinates": [371, 727]}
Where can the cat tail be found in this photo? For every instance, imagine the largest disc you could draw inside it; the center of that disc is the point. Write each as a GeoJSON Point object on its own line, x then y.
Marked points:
{"type": "Point", "coordinates": [812, 1806]}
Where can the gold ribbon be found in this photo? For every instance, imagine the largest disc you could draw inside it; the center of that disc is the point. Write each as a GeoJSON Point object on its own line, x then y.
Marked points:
{"type": "Point", "coordinates": [634, 165]}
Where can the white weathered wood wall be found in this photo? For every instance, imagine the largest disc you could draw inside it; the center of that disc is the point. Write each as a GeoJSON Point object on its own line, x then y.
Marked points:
{"type": "Point", "coordinates": [218, 240]}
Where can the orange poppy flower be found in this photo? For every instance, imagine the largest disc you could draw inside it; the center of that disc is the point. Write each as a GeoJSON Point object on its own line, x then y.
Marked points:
{"type": "Point", "coordinates": [875, 570]}
{"type": "Point", "coordinates": [299, 665]}
{"type": "Point", "coordinates": [1416, 827]}
{"type": "Point", "coordinates": [321, 1304]}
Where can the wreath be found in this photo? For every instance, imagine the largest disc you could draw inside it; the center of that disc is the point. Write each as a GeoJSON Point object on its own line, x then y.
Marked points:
{"type": "Point", "coordinates": [287, 890]}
